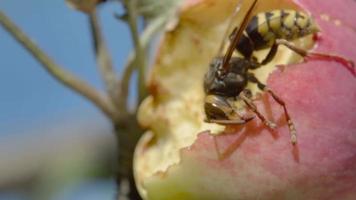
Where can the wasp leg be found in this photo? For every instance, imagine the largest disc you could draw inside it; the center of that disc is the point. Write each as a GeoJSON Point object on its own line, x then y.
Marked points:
{"type": "Point", "coordinates": [241, 119]}
{"type": "Point", "coordinates": [272, 52]}
{"type": "Point", "coordinates": [236, 111]}
{"type": "Point", "coordinates": [253, 107]}
{"type": "Point", "coordinates": [349, 64]}
{"type": "Point", "coordinates": [251, 77]}
{"type": "Point", "coordinates": [292, 131]}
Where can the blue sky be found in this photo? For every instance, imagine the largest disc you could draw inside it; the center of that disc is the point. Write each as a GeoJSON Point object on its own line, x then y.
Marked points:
{"type": "Point", "coordinates": [29, 96]}
{"type": "Point", "coordinates": [30, 99]}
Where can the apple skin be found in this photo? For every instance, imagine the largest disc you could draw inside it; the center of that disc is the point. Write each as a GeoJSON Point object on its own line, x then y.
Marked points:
{"type": "Point", "coordinates": [253, 162]}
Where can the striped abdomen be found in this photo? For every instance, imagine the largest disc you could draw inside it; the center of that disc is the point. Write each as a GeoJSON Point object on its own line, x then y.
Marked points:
{"type": "Point", "coordinates": [266, 27]}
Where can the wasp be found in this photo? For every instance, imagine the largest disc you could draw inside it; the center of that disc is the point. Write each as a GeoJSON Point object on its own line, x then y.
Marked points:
{"type": "Point", "coordinates": [227, 77]}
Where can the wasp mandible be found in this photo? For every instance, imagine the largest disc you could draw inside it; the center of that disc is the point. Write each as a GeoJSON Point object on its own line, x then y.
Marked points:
{"type": "Point", "coordinates": [227, 77]}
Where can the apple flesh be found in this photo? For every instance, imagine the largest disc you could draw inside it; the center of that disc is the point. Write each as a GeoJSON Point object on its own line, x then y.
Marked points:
{"type": "Point", "coordinates": [181, 157]}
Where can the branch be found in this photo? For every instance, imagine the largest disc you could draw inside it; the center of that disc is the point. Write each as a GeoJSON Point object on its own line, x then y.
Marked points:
{"type": "Point", "coordinates": [126, 77]}
{"type": "Point", "coordinates": [104, 60]}
{"type": "Point", "coordinates": [146, 36]}
{"type": "Point", "coordinates": [140, 59]}
{"type": "Point", "coordinates": [57, 72]}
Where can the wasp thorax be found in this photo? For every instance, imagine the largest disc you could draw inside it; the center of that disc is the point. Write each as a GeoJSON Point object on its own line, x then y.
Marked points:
{"type": "Point", "coordinates": [229, 82]}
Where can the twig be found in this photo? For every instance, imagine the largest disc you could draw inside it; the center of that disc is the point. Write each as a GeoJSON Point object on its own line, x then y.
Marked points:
{"type": "Point", "coordinates": [140, 59]}
{"type": "Point", "coordinates": [57, 72]}
{"type": "Point", "coordinates": [104, 60]}
{"type": "Point", "coordinates": [126, 77]}
{"type": "Point", "coordinates": [152, 28]}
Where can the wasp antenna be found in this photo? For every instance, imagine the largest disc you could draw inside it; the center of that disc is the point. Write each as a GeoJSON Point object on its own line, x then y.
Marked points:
{"type": "Point", "coordinates": [237, 36]}
{"type": "Point", "coordinates": [229, 25]}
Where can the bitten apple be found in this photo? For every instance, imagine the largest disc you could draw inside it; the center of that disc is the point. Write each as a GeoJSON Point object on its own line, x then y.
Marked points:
{"type": "Point", "coordinates": [182, 158]}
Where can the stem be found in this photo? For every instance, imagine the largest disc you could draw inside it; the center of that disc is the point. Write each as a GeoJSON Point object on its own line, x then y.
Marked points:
{"type": "Point", "coordinates": [103, 58]}
{"type": "Point", "coordinates": [63, 76]}
{"type": "Point", "coordinates": [125, 79]}
{"type": "Point", "coordinates": [152, 28]}
{"type": "Point", "coordinates": [140, 59]}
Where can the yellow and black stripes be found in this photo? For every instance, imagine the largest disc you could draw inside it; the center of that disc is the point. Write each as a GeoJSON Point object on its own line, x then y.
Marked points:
{"type": "Point", "coordinates": [266, 27]}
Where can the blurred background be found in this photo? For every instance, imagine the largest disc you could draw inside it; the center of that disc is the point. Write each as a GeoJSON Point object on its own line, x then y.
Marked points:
{"type": "Point", "coordinates": [53, 143]}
